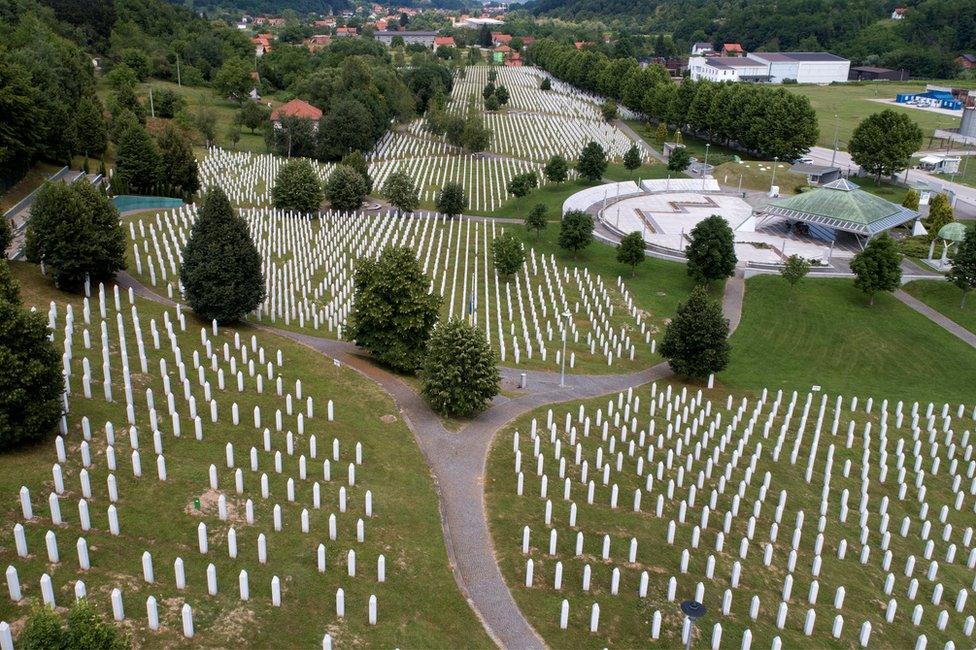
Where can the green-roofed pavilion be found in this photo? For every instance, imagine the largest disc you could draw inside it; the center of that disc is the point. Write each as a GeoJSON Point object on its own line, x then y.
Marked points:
{"type": "Point", "coordinates": [841, 205]}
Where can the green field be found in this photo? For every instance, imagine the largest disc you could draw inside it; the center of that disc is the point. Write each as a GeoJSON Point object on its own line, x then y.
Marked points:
{"type": "Point", "coordinates": [852, 102]}
{"type": "Point", "coordinates": [419, 604]}
{"type": "Point", "coordinates": [946, 298]}
{"type": "Point", "coordinates": [758, 176]}
{"type": "Point", "coordinates": [827, 335]}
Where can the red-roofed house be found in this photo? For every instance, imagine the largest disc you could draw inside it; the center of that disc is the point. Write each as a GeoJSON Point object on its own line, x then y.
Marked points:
{"type": "Point", "coordinates": [514, 60]}
{"type": "Point", "coordinates": [262, 44]}
{"type": "Point", "coordinates": [443, 40]}
{"type": "Point", "coordinates": [346, 31]}
{"type": "Point", "coordinates": [579, 45]}
{"type": "Point", "coordinates": [381, 24]}
{"type": "Point", "coordinates": [899, 13]}
{"type": "Point", "coordinates": [504, 49]}
{"type": "Point", "coordinates": [500, 39]}
{"type": "Point", "coordinates": [528, 40]}
{"type": "Point", "coordinates": [317, 42]}
{"type": "Point", "coordinates": [733, 49]}
{"type": "Point", "coordinates": [296, 108]}
{"type": "Point", "coordinates": [324, 22]}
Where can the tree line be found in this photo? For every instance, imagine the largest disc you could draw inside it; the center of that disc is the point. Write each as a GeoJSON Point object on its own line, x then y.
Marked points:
{"type": "Point", "coordinates": [761, 120]}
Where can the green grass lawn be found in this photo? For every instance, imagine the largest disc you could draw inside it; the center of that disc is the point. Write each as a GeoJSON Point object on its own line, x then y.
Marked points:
{"type": "Point", "coordinates": [625, 618]}
{"type": "Point", "coordinates": [419, 605]}
{"type": "Point", "coordinates": [887, 191]}
{"type": "Point", "coordinates": [946, 298]}
{"type": "Point", "coordinates": [827, 335]}
{"type": "Point", "coordinates": [717, 153]}
{"type": "Point", "coordinates": [756, 175]}
{"type": "Point", "coordinates": [851, 103]}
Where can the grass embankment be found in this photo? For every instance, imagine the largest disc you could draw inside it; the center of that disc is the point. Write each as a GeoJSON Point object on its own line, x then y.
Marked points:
{"type": "Point", "coordinates": [625, 618]}
{"type": "Point", "coordinates": [946, 298]}
{"type": "Point", "coordinates": [826, 334]}
{"type": "Point", "coordinates": [419, 605]}
{"type": "Point", "coordinates": [32, 180]}
{"type": "Point", "coordinates": [758, 176]}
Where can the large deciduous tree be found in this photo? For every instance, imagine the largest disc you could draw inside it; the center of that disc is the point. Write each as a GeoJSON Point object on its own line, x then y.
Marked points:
{"type": "Point", "coordinates": [74, 230]}
{"type": "Point", "coordinates": [883, 143]}
{"type": "Point", "coordinates": [31, 382]}
{"type": "Point", "coordinates": [297, 187]}
{"type": "Point", "coordinates": [575, 231]}
{"type": "Point", "coordinates": [556, 169]}
{"type": "Point", "coordinates": [508, 254]}
{"type": "Point", "coordinates": [393, 313]}
{"type": "Point", "coordinates": [877, 267]}
{"type": "Point", "coordinates": [592, 162]}
{"type": "Point", "coordinates": [459, 376]}
{"type": "Point", "coordinates": [696, 341]}
{"type": "Point", "coordinates": [221, 272]}
{"type": "Point", "coordinates": [711, 253]}
{"type": "Point", "coordinates": [451, 200]}
{"type": "Point", "coordinates": [630, 250]}
{"type": "Point", "coordinates": [345, 189]}
{"type": "Point", "coordinates": [400, 190]}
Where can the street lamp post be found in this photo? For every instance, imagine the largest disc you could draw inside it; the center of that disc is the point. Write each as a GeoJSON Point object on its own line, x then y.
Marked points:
{"type": "Point", "coordinates": [562, 368]}
{"type": "Point", "coordinates": [775, 163]}
{"type": "Point", "coordinates": [833, 157]}
{"type": "Point", "coordinates": [705, 168]}
{"type": "Point", "coordinates": [694, 610]}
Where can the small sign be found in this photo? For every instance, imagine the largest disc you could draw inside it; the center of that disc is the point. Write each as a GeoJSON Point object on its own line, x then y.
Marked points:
{"type": "Point", "coordinates": [816, 388]}
{"type": "Point", "coordinates": [336, 363]}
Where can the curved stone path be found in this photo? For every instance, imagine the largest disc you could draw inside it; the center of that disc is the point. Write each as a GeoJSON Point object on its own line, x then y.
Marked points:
{"type": "Point", "coordinates": [457, 460]}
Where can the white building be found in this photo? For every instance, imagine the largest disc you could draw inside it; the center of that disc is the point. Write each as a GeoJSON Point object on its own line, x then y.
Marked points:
{"type": "Point", "coordinates": [772, 67]}
{"type": "Point", "coordinates": [726, 68]}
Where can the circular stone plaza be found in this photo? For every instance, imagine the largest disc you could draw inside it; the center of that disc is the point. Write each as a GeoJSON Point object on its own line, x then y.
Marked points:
{"type": "Point", "coordinates": [826, 225]}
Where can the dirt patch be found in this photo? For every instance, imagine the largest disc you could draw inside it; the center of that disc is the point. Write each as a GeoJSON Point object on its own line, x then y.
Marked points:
{"type": "Point", "coordinates": [208, 506]}
{"type": "Point", "coordinates": [388, 419]}
{"type": "Point", "coordinates": [233, 625]}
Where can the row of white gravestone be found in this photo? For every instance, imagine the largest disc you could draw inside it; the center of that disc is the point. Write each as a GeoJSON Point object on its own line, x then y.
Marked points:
{"type": "Point", "coordinates": [292, 294]}
{"type": "Point", "coordinates": [890, 611]}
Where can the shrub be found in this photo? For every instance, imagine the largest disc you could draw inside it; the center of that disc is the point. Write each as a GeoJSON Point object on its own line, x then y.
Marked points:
{"type": "Point", "coordinates": [297, 187]}
{"type": "Point", "coordinates": [459, 375]}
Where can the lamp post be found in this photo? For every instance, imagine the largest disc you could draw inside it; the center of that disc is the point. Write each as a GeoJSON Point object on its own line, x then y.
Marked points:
{"type": "Point", "coordinates": [562, 368]}
{"type": "Point", "coordinates": [705, 168]}
{"type": "Point", "coordinates": [693, 610]}
{"type": "Point", "coordinates": [833, 157]}
{"type": "Point", "coordinates": [775, 163]}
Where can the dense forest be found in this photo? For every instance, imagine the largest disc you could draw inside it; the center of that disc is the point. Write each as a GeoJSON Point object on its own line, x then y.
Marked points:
{"type": "Point", "coordinates": [925, 42]}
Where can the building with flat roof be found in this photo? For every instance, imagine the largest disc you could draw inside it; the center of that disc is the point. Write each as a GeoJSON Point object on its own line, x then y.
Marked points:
{"type": "Point", "coordinates": [772, 67]}
{"type": "Point", "coordinates": [424, 38]}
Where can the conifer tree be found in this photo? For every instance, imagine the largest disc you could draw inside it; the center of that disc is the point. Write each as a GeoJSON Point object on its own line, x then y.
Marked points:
{"type": "Point", "coordinates": [221, 272]}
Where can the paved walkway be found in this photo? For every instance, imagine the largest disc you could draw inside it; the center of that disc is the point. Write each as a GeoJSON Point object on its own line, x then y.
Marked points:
{"type": "Point", "coordinates": [458, 460]}
{"type": "Point", "coordinates": [936, 317]}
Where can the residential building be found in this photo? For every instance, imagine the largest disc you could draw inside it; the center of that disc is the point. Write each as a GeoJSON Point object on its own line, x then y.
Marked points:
{"type": "Point", "coordinates": [346, 31]}
{"type": "Point", "coordinates": [899, 13]}
{"type": "Point", "coordinates": [296, 108]}
{"type": "Point", "coordinates": [702, 49]}
{"type": "Point", "coordinates": [424, 38]}
{"type": "Point", "coordinates": [966, 61]}
{"type": "Point", "coordinates": [444, 40]}
{"type": "Point", "coordinates": [317, 42]}
{"type": "Point", "coordinates": [497, 38]}
{"type": "Point", "coordinates": [733, 49]}
{"type": "Point", "coordinates": [262, 44]}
